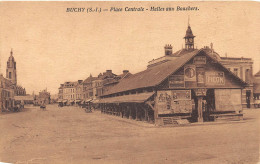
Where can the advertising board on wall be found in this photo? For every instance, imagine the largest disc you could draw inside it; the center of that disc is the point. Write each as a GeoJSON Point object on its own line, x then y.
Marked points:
{"type": "Point", "coordinates": [215, 78]}
{"type": "Point", "coordinates": [174, 101]}
{"type": "Point", "coordinates": [176, 81]}
{"type": "Point", "coordinates": [199, 60]}
{"type": "Point", "coordinates": [228, 99]}
{"type": "Point", "coordinates": [200, 76]}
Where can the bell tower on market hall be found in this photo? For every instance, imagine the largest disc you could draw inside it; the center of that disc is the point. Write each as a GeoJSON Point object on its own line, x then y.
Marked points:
{"type": "Point", "coordinates": [189, 39]}
{"type": "Point", "coordinates": [11, 69]}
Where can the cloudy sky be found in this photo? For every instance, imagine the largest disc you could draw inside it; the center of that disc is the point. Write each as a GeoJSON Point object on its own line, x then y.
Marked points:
{"type": "Point", "coordinates": [52, 46]}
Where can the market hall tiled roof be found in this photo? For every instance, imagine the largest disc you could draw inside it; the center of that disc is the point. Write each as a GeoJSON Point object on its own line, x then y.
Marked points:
{"type": "Point", "coordinates": [155, 75]}
{"type": "Point", "coordinates": [136, 98]}
{"type": "Point", "coordinates": [151, 76]}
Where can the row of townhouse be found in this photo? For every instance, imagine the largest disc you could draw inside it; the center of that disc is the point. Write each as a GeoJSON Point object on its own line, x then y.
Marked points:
{"type": "Point", "coordinates": [89, 89]}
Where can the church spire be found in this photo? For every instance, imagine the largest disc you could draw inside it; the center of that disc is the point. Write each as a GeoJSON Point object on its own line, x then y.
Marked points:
{"type": "Point", "coordinates": [188, 20]}
{"type": "Point", "coordinates": [11, 69]}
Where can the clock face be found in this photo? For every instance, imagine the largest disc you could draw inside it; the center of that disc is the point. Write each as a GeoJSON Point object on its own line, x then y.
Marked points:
{"type": "Point", "coordinates": [189, 72]}
{"type": "Point", "coordinates": [190, 40]}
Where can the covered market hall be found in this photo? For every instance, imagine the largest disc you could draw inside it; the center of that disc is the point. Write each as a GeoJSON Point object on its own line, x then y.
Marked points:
{"type": "Point", "coordinates": [193, 87]}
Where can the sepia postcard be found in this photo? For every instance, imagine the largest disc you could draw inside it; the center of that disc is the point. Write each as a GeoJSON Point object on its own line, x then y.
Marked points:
{"type": "Point", "coordinates": [114, 82]}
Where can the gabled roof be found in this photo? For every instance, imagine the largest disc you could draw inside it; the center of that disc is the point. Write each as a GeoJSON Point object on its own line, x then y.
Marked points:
{"type": "Point", "coordinates": [181, 52]}
{"type": "Point", "coordinates": [155, 75]}
{"type": "Point", "coordinates": [151, 76]}
{"type": "Point", "coordinates": [90, 79]}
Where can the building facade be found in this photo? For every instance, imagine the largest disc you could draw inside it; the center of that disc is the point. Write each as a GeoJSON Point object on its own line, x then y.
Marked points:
{"type": "Point", "coordinates": [44, 97]}
{"type": "Point", "coordinates": [257, 89]}
{"type": "Point", "coordinates": [70, 93]}
{"type": "Point", "coordinates": [90, 89]}
{"type": "Point", "coordinates": [243, 68]}
{"type": "Point", "coordinates": [60, 93]}
{"type": "Point", "coordinates": [7, 93]}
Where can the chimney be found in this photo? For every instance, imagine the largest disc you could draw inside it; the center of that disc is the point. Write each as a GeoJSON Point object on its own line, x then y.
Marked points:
{"type": "Point", "coordinates": [168, 49]}
{"type": "Point", "coordinates": [211, 46]}
{"type": "Point", "coordinates": [125, 71]}
{"type": "Point", "coordinates": [109, 71]}
{"type": "Point", "coordinates": [80, 81]}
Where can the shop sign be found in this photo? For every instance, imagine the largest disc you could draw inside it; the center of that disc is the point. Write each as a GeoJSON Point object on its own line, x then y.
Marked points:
{"type": "Point", "coordinates": [199, 60]}
{"type": "Point", "coordinates": [176, 81]}
{"type": "Point", "coordinates": [181, 94]}
{"type": "Point", "coordinates": [215, 78]}
{"type": "Point", "coordinates": [201, 92]}
{"type": "Point", "coordinates": [190, 73]}
{"type": "Point", "coordinates": [200, 77]}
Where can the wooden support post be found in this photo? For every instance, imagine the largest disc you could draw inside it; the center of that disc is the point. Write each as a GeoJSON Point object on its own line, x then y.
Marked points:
{"type": "Point", "coordinates": [106, 109]}
{"type": "Point", "coordinates": [200, 112]}
{"type": "Point", "coordinates": [120, 110]}
{"type": "Point", "coordinates": [137, 112]}
{"type": "Point", "coordinates": [124, 110]}
{"type": "Point", "coordinates": [117, 110]}
{"type": "Point", "coordinates": [148, 116]}
{"type": "Point", "coordinates": [145, 113]}
{"type": "Point", "coordinates": [130, 111]}
{"type": "Point", "coordinates": [113, 109]}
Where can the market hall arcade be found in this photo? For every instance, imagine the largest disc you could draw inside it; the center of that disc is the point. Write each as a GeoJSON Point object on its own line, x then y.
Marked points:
{"type": "Point", "coordinates": [190, 85]}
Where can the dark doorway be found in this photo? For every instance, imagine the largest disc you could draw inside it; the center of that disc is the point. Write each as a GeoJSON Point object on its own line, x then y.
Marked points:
{"type": "Point", "coordinates": [248, 95]}
{"type": "Point", "coordinates": [210, 105]}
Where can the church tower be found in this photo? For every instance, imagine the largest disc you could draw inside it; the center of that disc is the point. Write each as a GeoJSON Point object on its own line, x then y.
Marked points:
{"type": "Point", "coordinates": [189, 39]}
{"type": "Point", "coordinates": [11, 69]}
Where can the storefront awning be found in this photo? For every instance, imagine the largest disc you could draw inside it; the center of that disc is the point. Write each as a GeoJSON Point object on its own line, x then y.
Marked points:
{"type": "Point", "coordinates": [64, 101]}
{"type": "Point", "coordinates": [77, 100]}
{"type": "Point", "coordinates": [88, 100]}
{"type": "Point", "coordinates": [71, 101]}
{"type": "Point", "coordinates": [23, 98]}
{"type": "Point", "coordinates": [59, 101]}
{"type": "Point", "coordinates": [135, 98]}
{"type": "Point", "coordinates": [82, 102]}
{"type": "Point", "coordinates": [96, 101]}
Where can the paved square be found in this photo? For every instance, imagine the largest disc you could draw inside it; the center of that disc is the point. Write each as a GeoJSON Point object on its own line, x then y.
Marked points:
{"type": "Point", "coordinates": [69, 135]}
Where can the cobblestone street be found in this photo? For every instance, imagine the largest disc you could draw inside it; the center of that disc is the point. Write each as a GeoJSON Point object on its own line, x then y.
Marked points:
{"type": "Point", "coordinates": [69, 135]}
